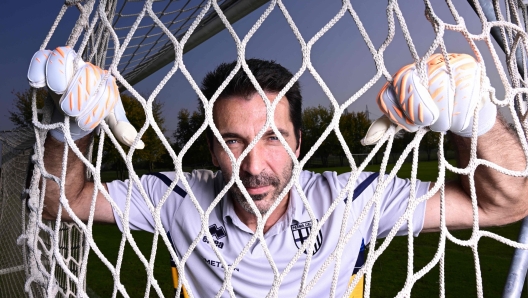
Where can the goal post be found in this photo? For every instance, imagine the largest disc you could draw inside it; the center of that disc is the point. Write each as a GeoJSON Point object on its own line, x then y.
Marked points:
{"type": "Point", "coordinates": [516, 279]}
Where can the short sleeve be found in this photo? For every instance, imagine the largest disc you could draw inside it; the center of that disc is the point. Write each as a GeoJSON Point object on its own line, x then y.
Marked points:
{"type": "Point", "coordinates": [323, 189]}
{"type": "Point", "coordinates": [140, 217]}
{"type": "Point", "coordinates": [394, 203]}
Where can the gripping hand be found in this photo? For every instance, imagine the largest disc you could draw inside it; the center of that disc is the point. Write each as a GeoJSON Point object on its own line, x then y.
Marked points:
{"type": "Point", "coordinates": [410, 105]}
{"type": "Point", "coordinates": [88, 95]}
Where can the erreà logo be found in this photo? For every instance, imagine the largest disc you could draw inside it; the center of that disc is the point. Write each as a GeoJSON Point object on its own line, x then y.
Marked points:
{"type": "Point", "coordinates": [301, 232]}
{"type": "Point", "coordinates": [217, 233]}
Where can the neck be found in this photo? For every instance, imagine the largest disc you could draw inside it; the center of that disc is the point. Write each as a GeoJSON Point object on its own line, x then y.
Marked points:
{"type": "Point", "coordinates": [250, 219]}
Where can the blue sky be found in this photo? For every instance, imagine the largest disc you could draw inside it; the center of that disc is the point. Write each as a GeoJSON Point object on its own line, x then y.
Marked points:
{"type": "Point", "coordinates": [340, 56]}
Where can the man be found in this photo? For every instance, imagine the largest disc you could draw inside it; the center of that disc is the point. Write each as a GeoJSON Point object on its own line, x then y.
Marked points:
{"type": "Point", "coordinates": [239, 114]}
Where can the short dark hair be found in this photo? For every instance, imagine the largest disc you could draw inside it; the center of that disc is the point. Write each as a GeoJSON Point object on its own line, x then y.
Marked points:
{"type": "Point", "coordinates": [271, 76]}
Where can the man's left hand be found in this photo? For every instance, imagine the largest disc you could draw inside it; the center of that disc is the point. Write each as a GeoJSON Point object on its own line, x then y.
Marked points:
{"type": "Point", "coordinates": [410, 105]}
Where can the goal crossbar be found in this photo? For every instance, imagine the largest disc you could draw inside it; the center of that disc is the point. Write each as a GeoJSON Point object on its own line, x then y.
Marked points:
{"type": "Point", "coordinates": [233, 10]}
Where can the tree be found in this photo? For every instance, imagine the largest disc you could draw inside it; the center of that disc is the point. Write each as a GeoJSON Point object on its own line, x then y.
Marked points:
{"type": "Point", "coordinates": [188, 125]}
{"type": "Point", "coordinates": [353, 127]}
{"type": "Point", "coordinates": [22, 115]}
{"type": "Point", "coordinates": [401, 141]}
{"type": "Point", "coordinates": [315, 121]}
{"type": "Point", "coordinates": [154, 148]}
{"type": "Point", "coordinates": [430, 142]}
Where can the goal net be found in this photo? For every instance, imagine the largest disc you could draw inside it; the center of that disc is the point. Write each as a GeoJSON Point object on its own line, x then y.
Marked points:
{"type": "Point", "coordinates": [133, 39]}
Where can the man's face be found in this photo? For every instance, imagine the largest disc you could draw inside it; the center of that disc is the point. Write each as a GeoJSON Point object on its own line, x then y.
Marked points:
{"type": "Point", "coordinates": [267, 168]}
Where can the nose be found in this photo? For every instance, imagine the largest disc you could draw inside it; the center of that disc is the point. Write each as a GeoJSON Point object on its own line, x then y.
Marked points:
{"type": "Point", "coordinates": [254, 163]}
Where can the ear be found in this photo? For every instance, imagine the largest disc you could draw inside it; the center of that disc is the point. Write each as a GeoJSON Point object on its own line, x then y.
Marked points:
{"type": "Point", "coordinates": [210, 145]}
{"type": "Point", "coordinates": [298, 150]}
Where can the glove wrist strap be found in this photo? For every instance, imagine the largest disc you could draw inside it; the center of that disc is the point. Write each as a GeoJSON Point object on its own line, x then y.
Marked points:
{"type": "Point", "coordinates": [76, 132]}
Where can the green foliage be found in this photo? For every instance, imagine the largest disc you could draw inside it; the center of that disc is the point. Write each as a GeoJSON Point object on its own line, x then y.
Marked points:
{"type": "Point", "coordinates": [353, 127]}
{"type": "Point", "coordinates": [154, 150]}
{"type": "Point", "coordinates": [430, 142]}
{"type": "Point", "coordinates": [428, 145]}
{"type": "Point", "coordinates": [315, 121]}
{"type": "Point", "coordinates": [22, 114]}
{"type": "Point", "coordinates": [188, 125]}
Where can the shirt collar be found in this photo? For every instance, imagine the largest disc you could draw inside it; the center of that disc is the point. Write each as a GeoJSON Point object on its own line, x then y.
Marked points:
{"type": "Point", "coordinates": [228, 209]}
{"type": "Point", "coordinates": [293, 213]}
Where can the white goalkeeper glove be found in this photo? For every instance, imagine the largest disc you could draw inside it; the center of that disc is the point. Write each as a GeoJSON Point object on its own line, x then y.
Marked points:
{"type": "Point", "coordinates": [411, 105]}
{"type": "Point", "coordinates": [80, 95]}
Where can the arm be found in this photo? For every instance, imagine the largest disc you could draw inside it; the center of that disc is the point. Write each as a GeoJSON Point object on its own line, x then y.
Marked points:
{"type": "Point", "coordinates": [88, 96]}
{"type": "Point", "coordinates": [501, 198]}
{"type": "Point", "coordinates": [441, 106]}
{"type": "Point", "coordinates": [78, 190]}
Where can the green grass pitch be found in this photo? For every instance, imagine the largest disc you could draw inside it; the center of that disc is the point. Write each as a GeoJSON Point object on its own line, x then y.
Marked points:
{"type": "Point", "coordinates": [389, 274]}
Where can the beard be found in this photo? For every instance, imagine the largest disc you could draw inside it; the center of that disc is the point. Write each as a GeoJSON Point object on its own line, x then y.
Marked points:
{"type": "Point", "coordinates": [263, 179]}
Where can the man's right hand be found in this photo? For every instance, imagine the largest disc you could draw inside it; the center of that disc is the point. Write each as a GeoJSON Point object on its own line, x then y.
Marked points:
{"type": "Point", "coordinates": [88, 95]}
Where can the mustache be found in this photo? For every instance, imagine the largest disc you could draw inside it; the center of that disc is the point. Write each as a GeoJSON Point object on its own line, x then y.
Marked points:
{"type": "Point", "coordinates": [262, 179]}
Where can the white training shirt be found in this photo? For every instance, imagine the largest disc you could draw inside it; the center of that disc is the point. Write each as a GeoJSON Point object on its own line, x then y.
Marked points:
{"type": "Point", "coordinates": [253, 276]}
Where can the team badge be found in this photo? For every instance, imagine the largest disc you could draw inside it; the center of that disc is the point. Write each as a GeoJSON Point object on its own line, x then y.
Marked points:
{"type": "Point", "coordinates": [301, 232]}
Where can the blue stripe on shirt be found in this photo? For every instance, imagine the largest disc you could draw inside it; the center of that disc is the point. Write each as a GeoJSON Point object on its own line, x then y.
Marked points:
{"type": "Point", "coordinates": [168, 182]}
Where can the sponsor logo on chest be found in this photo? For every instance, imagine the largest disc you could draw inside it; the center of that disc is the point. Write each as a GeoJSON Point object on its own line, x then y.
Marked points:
{"type": "Point", "coordinates": [301, 232]}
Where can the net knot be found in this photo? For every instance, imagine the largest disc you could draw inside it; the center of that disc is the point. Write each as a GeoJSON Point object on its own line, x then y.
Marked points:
{"type": "Point", "coordinates": [72, 2]}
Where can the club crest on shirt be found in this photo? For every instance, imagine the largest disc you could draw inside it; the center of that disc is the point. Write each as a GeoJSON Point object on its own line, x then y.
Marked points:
{"type": "Point", "coordinates": [301, 231]}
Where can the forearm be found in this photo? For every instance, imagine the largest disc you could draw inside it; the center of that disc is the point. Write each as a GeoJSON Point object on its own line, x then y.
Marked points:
{"type": "Point", "coordinates": [502, 198]}
{"type": "Point", "coordinates": [75, 176]}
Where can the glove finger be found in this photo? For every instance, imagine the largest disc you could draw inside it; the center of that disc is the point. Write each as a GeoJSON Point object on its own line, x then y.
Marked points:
{"type": "Point", "coordinates": [467, 90]}
{"type": "Point", "coordinates": [389, 105]}
{"type": "Point", "coordinates": [59, 69]}
{"type": "Point", "coordinates": [76, 99]}
{"type": "Point", "coordinates": [96, 101]}
{"type": "Point", "coordinates": [456, 108]}
{"type": "Point", "coordinates": [414, 98]}
{"type": "Point", "coordinates": [376, 131]}
{"type": "Point", "coordinates": [121, 127]}
{"type": "Point", "coordinates": [37, 69]}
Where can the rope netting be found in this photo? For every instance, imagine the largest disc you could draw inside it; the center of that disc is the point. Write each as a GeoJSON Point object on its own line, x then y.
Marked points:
{"type": "Point", "coordinates": [17, 148]}
{"type": "Point", "coordinates": [97, 26]}
{"type": "Point", "coordinates": [16, 152]}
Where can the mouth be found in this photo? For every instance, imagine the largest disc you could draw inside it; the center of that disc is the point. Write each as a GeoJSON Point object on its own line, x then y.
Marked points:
{"type": "Point", "coordinates": [258, 190]}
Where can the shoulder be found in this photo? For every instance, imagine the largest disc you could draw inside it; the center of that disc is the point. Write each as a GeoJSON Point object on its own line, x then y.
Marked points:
{"type": "Point", "coordinates": [323, 188]}
{"type": "Point", "coordinates": [196, 179]}
{"type": "Point", "coordinates": [332, 180]}
{"type": "Point", "coordinates": [203, 185]}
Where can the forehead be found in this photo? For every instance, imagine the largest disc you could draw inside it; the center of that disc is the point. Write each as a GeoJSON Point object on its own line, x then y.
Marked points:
{"type": "Point", "coordinates": [249, 111]}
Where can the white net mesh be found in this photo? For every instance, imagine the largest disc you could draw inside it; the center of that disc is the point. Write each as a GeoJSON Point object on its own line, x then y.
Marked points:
{"type": "Point", "coordinates": [16, 152]}
{"type": "Point", "coordinates": [99, 23]}
{"type": "Point", "coordinates": [16, 262]}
